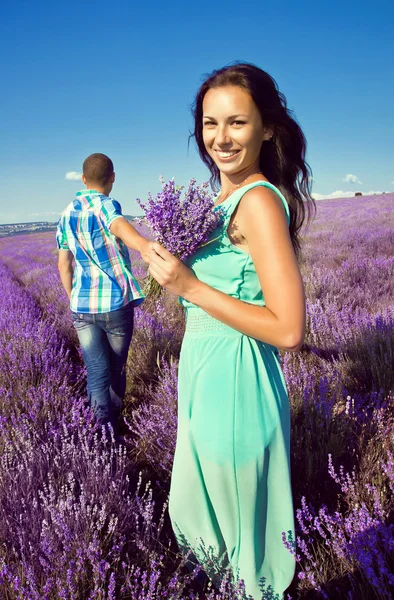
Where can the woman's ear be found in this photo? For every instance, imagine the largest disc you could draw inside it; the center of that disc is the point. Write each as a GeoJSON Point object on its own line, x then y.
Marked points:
{"type": "Point", "coordinates": [268, 134]}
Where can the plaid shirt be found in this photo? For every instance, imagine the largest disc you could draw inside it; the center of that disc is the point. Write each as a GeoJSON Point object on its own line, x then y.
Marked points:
{"type": "Point", "coordinates": [103, 280]}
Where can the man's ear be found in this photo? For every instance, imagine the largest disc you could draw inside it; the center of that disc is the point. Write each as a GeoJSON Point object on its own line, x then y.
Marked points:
{"type": "Point", "coordinates": [113, 177]}
{"type": "Point", "coordinates": [83, 179]}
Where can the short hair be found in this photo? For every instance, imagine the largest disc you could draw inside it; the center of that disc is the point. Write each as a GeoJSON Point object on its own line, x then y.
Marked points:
{"type": "Point", "coordinates": [98, 168]}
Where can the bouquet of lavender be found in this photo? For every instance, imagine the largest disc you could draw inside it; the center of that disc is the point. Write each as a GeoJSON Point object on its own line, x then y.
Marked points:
{"type": "Point", "coordinates": [181, 225]}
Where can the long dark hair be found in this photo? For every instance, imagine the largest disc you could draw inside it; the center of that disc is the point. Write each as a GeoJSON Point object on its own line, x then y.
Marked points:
{"type": "Point", "coordinates": [282, 159]}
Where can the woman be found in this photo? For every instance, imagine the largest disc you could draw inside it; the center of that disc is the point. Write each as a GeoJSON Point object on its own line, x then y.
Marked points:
{"type": "Point", "coordinates": [244, 298]}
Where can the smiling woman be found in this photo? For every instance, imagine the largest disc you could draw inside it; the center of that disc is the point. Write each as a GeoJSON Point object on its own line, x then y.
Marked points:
{"type": "Point", "coordinates": [244, 298]}
{"type": "Point", "coordinates": [252, 101]}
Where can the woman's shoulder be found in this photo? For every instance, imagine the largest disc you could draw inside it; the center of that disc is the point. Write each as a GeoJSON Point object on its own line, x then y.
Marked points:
{"type": "Point", "coordinates": [265, 200]}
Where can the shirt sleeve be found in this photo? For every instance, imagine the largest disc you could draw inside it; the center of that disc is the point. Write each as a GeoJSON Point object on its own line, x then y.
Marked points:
{"type": "Point", "coordinates": [110, 210]}
{"type": "Point", "coordinates": [61, 237]}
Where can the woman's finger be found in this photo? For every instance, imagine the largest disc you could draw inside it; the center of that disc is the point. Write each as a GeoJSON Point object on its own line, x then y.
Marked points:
{"type": "Point", "coordinates": [157, 274]}
{"type": "Point", "coordinates": [161, 251]}
{"type": "Point", "coordinates": [156, 259]}
{"type": "Point", "coordinates": [159, 266]}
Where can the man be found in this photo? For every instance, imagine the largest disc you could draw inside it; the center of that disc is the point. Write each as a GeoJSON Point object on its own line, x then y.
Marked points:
{"type": "Point", "coordinates": [95, 270]}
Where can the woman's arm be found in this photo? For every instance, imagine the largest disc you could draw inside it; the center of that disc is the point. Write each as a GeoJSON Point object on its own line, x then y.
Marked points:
{"type": "Point", "coordinates": [262, 222]}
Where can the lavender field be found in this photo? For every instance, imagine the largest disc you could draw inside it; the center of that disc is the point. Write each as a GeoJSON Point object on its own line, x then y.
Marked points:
{"type": "Point", "coordinates": [82, 518]}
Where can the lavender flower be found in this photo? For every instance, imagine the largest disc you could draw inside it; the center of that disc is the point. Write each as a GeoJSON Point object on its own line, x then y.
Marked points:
{"type": "Point", "coordinates": [182, 224]}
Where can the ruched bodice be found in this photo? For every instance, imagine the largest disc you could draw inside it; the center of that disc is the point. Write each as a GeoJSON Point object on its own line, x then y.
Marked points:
{"type": "Point", "coordinates": [224, 266]}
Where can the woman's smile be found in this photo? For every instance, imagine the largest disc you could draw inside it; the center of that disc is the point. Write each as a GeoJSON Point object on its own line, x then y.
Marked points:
{"type": "Point", "coordinates": [226, 156]}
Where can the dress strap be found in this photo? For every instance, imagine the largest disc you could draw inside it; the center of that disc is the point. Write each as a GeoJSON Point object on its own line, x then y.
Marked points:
{"type": "Point", "coordinates": [236, 197]}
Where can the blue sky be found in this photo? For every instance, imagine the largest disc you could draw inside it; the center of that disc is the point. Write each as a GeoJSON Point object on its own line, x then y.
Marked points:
{"type": "Point", "coordinates": [119, 78]}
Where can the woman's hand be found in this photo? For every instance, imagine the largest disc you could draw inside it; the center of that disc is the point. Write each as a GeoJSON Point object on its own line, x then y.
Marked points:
{"type": "Point", "coordinates": [170, 272]}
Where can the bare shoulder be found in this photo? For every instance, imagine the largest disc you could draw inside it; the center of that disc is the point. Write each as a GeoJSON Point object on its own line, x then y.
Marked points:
{"type": "Point", "coordinates": [262, 201]}
{"type": "Point", "coordinates": [261, 214]}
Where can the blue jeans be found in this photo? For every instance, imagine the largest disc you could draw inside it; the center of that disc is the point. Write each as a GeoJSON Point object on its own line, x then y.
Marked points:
{"type": "Point", "coordinates": [105, 340]}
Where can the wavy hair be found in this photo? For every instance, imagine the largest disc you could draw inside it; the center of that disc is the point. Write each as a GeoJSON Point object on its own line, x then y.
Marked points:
{"type": "Point", "coordinates": [282, 159]}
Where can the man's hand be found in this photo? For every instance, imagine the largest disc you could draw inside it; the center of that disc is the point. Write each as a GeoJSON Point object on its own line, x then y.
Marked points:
{"type": "Point", "coordinates": [145, 249]}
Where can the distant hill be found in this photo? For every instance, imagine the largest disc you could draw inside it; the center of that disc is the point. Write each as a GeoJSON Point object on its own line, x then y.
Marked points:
{"type": "Point", "coordinates": [20, 228]}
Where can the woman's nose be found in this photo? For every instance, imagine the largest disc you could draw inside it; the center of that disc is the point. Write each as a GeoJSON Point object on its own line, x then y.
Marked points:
{"type": "Point", "coordinates": [222, 136]}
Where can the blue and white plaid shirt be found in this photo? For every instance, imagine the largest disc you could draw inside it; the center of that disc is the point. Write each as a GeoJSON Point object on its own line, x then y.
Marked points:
{"type": "Point", "coordinates": [103, 280]}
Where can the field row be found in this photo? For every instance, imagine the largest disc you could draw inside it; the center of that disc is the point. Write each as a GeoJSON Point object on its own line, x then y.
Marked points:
{"type": "Point", "coordinates": [78, 517]}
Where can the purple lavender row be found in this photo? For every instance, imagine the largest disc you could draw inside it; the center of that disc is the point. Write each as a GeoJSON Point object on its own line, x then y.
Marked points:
{"type": "Point", "coordinates": [340, 390]}
{"type": "Point", "coordinates": [70, 526]}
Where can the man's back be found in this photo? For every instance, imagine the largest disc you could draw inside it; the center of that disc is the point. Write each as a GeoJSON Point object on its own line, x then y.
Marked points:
{"type": "Point", "coordinates": [103, 279]}
{"type": "Point", "coordinates": [93, 234]}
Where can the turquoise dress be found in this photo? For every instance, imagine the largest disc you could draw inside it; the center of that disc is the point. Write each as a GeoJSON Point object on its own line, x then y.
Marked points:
{"type": "Point", "coordinates": [230, 490]}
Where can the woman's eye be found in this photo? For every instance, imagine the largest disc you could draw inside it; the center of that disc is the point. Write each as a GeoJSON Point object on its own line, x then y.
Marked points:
{"type": "Point", "coordinates": [209, 123]}
{"type": "Point", "coordinates": [238, 122]}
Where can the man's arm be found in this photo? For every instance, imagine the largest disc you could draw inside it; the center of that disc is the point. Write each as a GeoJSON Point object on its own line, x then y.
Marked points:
{"type": "Point", "coordinates": [123, 230]}
{"type": "Point", "coordinates": [66, 269]}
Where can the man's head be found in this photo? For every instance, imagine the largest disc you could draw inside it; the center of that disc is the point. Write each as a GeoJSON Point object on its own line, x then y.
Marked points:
{"type": "Point", "coordinates": [98, 173]}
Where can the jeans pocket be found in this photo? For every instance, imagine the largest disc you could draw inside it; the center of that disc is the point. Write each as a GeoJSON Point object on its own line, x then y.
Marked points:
{"type": "Point", "coordinates": [120, 322]}
{"type": "Point", "coordinates": [76, 317]}
{"type": "Point", "coordinates": [81, 319]}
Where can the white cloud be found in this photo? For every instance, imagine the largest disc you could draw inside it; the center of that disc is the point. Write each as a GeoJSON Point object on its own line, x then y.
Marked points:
{"type": "Point", "coordinates": [351, 179]}
{"type": "Point", "coordinates": [73, 176]}
{"type": "Point", "coordinates": [342, 194]}
{"type": "Point", "coordinates": [336, 194]}
{"type": "Point", "coordinates": [46, 213]}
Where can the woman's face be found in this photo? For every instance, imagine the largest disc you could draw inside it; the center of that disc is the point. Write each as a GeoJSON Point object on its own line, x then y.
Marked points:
{"type": "Point", "coordinates": [232, 129]}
